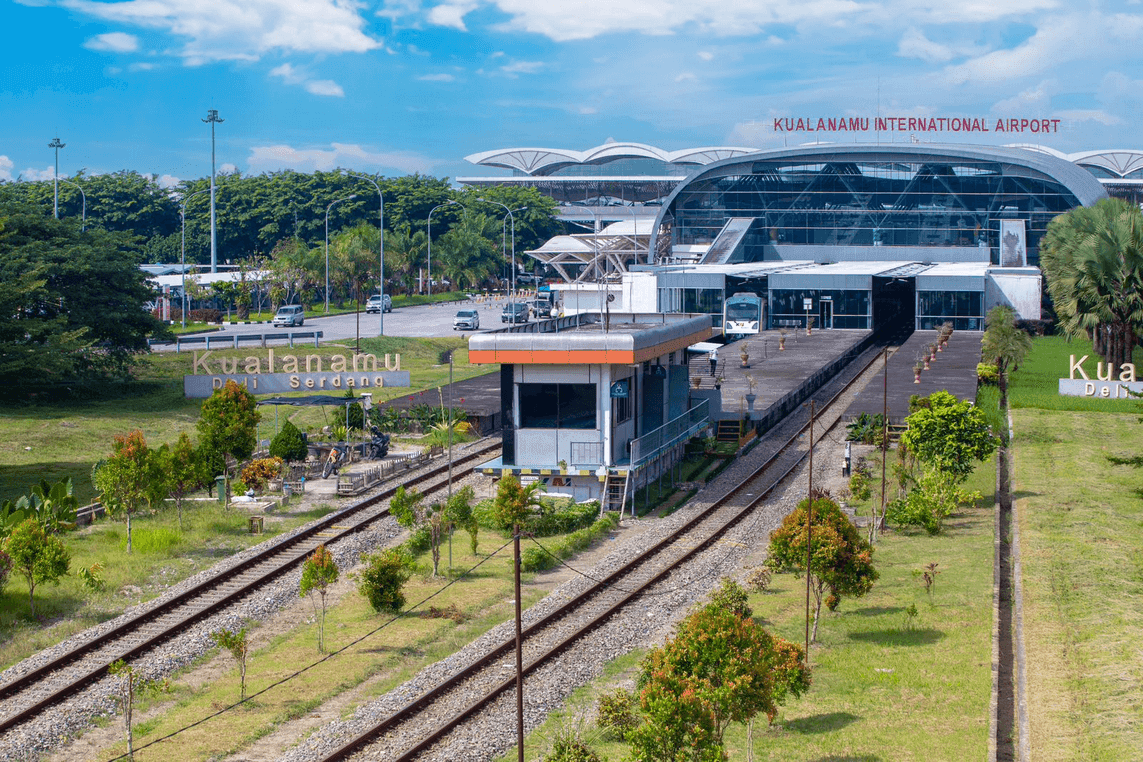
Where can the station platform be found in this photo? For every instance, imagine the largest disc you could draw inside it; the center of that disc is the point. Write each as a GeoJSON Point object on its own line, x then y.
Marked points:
{"type": "Point", "coordinates": [954, 370]}
{"type": "Point", "coordinates": [776, 372]}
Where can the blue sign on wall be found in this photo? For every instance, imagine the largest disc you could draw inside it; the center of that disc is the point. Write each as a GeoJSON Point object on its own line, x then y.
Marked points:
{"type": "Point", "coordinates": [620, 389]}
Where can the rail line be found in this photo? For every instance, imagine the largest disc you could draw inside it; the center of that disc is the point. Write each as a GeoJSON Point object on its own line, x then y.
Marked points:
{"type": "Point", "coordinates": [24, 697]}
{"type": "Point", "coordinates": [482, 681]}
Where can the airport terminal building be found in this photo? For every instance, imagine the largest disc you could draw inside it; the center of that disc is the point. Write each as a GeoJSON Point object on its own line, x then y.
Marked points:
{"type": "Point", "coordinates": [850, 235]}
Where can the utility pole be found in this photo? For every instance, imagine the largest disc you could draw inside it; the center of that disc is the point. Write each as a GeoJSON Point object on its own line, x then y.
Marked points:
{"type": "Point", "coordinates": [212, 119]}
{"type": "Point", "coordinates": [56, 144]}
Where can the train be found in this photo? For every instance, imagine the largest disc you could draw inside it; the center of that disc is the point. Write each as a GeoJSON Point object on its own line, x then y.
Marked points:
{"type": "Point", "coordinates": [743, 314]}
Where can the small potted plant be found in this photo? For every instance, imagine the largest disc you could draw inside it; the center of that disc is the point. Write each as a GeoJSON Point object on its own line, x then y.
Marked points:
{"type": "Point", "coordinates": [696, 381]}
{"type": "Point", "coordinates": [917, 368]}
{"type": "Point", "coordinates": [932, 352]}
{"type": "Point", "coordinates": [750, 396]}
{"type": "Point", "coordinates": [782, 339]}
{"type": "Point", "coordinates": [745, 356]}
{"type": "Point", "coordinates": [925, 359]}
{"type": "Point", "coordinates": [718, 382]}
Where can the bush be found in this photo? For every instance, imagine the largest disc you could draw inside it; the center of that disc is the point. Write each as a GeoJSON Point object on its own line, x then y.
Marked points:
{"type": "Point", "coordinates": [205, 316]}
{"type": "Point", "coordinates": [758, 579]}
{"type": "Point", "coordinates": [987, 373]}
{"type": "Point", "coordinates": [381, 581]}
{"type": "Point", "coordinates": [568, 747]}
{"type": "Point", "coordinates": [261, 471]}
{"type": "Point", "coordinates": [5, 570]}
{"type": "Point", "coordinates": [289, 444]}
{"type": "Point", "coordinates": [859, 483]}
{"type": "Point", "coordinates": [616, 715]}
{"type": "Point", "coordinates": [536, 559]}
{"type": "Point", "coordinates": [562, 520]}
{"type": "Point", "coordinates": [732, 597]}
{"type": "Point", "coordinates": [866, 428]}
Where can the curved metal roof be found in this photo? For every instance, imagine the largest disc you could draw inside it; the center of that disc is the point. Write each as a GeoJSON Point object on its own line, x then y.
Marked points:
{"type": "Point", "coordinates": [542, 161]}
{"type": "Point", "coordinates": [1117, 161]}
{"type": "Point", "coordinates": [1086, 188]}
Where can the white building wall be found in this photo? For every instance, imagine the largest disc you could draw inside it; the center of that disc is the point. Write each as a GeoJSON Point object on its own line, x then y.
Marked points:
{"type": "Point", "coordinates": [1018, 288]}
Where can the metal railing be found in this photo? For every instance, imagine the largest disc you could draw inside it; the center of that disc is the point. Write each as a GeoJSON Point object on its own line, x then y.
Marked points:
{"type": "Point", "coordinates": [670, 434]}
{"type": "Point", "coordinates": [232, 340]}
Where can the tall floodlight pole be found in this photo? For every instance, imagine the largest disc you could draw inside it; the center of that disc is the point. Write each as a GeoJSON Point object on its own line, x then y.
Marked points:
{"type": "Point", "coordinates": [429, 259]}
{"type": "Point", "coordinates": [381, 287]}
{"type": "Point", "coordinates": [56, 144]}
{"type": "Point", "coordinates": [212, 119]}
{"type": "Point", "coordinates": [83, 218]}
{"type": "Point", "coordinates": [512, 216]}
{"type": "Point", "coordinates": [331, 204]}
{"type": "Point", "coordinates": [183, 250]}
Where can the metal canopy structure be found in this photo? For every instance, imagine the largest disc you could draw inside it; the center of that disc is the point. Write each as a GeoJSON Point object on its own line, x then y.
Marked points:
{"type": "Point", "coordinates": [598, 256]}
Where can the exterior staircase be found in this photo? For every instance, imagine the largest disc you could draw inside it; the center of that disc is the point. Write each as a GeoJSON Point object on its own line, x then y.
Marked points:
{"type": "Point", "coordinates": [728, 431]}
{"type": "Point", "coordinates": [615, 492]}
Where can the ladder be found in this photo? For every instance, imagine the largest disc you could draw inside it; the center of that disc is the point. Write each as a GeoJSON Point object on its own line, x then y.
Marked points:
{"type": "Point", "coordinates": [616, 491]}
{"type": "Point", "coordinates": [729, 430]}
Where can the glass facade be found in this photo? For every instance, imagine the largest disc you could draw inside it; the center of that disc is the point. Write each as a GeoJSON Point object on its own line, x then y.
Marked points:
{"type": "Point", "coordinates": [850, 308]}
{"type": "Point", "coordinates": [919, 202]}
{"type": "Point", "coordinates": [964, 309]}
{"type": "Point", "coordinates": [557, 406]}
{"type": "Point", "coordinates": [706, 301]}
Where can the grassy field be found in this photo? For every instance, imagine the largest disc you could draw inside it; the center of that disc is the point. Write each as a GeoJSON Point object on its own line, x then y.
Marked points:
{"type": "Point", "coordinates": [886, 686]}
{"type": "Point", "coordinates": [1080, 520]}
{"type": "Point", "coordinates": [55, 439]}
{"type": "Point", "coordinates": [1036, 383]}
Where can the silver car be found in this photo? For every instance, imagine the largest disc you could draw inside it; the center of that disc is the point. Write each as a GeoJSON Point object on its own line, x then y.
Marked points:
{"type": "Point", "coordinates": [466, 320]}
{"type": "Point", "coordinates": [290, 315]}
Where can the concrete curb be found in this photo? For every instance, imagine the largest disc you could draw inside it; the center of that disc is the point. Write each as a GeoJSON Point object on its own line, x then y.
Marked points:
{"type": "Point", "coordinates": [1024, 736]}
{"type": "Point", "coordinates": [994, 702]}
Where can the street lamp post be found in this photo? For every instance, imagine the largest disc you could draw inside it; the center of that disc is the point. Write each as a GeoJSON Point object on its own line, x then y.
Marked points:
{"type": "Point", "coordinates": [212, 119]}
{"type": "Point", "coordinates": [381, 287]}
{"type": "Point", "coordinates": [56, 144]}
{"type": "Point", "coordinates": [512, 216]}
{"type": "Point", "coordinates": [183, 250]}
{"type": "Point", "coordinates": [83, 218]}
{"type": "Point", "coordinates": [429, 258]}
{"type": "Point", "coordinates": [336, 201]}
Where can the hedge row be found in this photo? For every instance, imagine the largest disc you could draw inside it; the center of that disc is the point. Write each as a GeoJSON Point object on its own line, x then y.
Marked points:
{"type": "Point", "coordinates": [536, 559]}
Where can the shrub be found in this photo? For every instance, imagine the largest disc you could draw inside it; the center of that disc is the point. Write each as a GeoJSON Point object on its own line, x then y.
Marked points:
{"type": "Point", "coordinates": [289, 444]}
{"type": "Point", "coordinates": [205, 316]}
{"type": "Point", "coordinates": [859, 484]}
{"type": "Point", "coordinates": [261, 471]}
{"type": "Point", "coordinates": [569, 747]}
{"type": "Point", "coordinates": [866, 428]}
{"type": "Point", "coordinates": [616, 715]}
{"type": "Point", "coordinates": [5, 570]}
{"type": "Point", "coordinates": [566, 519]}
{"type": "Point", "coordinates": [758, 579]}
{"type": "Point", "coordinates": [732, 597]}
{"type": "Point", "coordinates": [536, 559]}
{"type": "Point", "coordinates": [986, 373]}
{"type": "Point", "coordinates": [381, 581]}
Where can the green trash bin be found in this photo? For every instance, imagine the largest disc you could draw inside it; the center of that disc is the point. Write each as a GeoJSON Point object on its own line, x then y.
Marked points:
{"type": "Point", "coordinates": [220, 487]}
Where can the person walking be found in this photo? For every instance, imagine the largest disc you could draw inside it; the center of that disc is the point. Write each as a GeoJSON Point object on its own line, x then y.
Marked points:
{"type": "Point", "coordinates": [713, 360]}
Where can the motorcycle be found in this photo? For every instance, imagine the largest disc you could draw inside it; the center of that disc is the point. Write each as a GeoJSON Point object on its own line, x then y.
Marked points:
{"type": "Point", "coordinates": [337, 456]}
{"type": "Point", "coordinates": [379, 445]}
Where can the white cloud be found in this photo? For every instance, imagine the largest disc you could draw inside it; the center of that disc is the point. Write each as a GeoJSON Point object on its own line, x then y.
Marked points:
{"type": "Point", "coordinates": [6, 168]}
{"type": "Point", "coordinates": [243, 29]}
{"type": "Point", "coordinates": [31, 174]}
{"type": "Point", "coordinates": [1090, 115]}
{"type": "Point", "coordinates": [452, 14]}
{"type": "Point", "coordinates": [705, 55]}
{"type": "Point", "coordinates": [686, 76]}
{"type": "Point", "coordinates": [1035, 100]}
{"type": "Point", "coordinates": [168, 181]}
{"type": "Point", "coordinates": [522, 67]}
{"type": "Point", "coordinates": [588, 110]}
{"type": "Point", "coordinates": [113, 42]}
{"type": "Point", "coordinates": [296, 76]}
{"type": "Point", "coordinates": [226, 168]}
{"type": "Point", "coordinates": [437, 78]}
{"type": "Point", "coordinates": [268, 158]}
{"type": "Point", "coordinates": [914, 44]}
{"type": "Point", "coordinates": [141, 66]}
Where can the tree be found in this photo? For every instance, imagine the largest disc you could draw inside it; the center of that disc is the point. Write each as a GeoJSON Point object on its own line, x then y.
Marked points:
{"type": "Point", "coordinates": [1092, 258]}
{"type": "Point", "coordinates": [514, 502]}
{"type": "Point", "coordinates": [39, 556]}
{"type": "Point", "coordinates": [289, 444]}
{"type": "Point", "coordinates": [184, 470]}
{"type": "Point", "coordinates": [410, 511]}
{"type": "Point", "coordinates": [458, 511]}
{"type": "Point", "coordinates": [238, 645]}
{"type": "Point", "coordinates": [1004, 345]}
{"type": "Point", "coordinates": [319, 572]}
{"type": "Point", "coordinates": [228, 425]}
{"type": "Point", "coordinates": [932, 499]}
{"type": "Point", "coordinates": [718, 668]}
{"type": "Point", "coordinates": [381, 580]}
{"type": "Point", "coordinates": [949, 435]}
{"type": "Point", "coordinates": [120, 668]}
{"type": "Point", "coordinates": [467, 255]}
{"type": "Point", "coordinates": [841, 560]}
{"type": "Point", "coordinates": [122, 478]}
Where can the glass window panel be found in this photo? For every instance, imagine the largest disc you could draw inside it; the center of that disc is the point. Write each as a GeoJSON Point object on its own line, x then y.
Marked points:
{"type": "Point", "coordinates": [577, 406]}
{"type": "Point", "coordinates": [537, 406]}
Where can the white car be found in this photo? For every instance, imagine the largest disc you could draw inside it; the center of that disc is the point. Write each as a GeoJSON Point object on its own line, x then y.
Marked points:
{"type": "Point", "coordinates": [466, 320]}
{"type": "Point", "coordinates": [375, 301]}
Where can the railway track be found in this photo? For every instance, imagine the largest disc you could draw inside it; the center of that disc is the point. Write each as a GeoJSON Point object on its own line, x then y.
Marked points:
{"type": "Point", "coordinates": [27, 695]}
{"type": "Point", "coordinates": [419, 725]}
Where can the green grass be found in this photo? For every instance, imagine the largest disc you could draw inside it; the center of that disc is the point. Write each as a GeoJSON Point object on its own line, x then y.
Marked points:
{"type": "Point", "coordinates": [161, 556]}
{"type": "Point", "coordinates": [883, 689]}
{"type": "Point", "coordinates": [1081, 536]}
{"type": "Point", "coordinates": [1036, 383]}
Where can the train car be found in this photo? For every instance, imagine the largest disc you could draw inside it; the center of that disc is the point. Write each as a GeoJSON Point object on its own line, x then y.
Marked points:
{"type": "Point", "coordinates": [742, 315]}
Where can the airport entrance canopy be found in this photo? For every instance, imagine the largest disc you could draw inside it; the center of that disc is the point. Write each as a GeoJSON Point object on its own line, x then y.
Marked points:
{"type": "Point", "coordinates": [596, 256]}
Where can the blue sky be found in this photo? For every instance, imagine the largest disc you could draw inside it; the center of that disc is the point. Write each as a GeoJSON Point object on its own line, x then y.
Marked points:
{"type": "Point", "coordinates": [401, 85]}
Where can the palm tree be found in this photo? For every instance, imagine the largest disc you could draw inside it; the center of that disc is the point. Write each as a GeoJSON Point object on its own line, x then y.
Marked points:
{"type": "Point", "coordinates": [1093, 260]}
{"type": "Point", "coordinates": [404, 249]}
{"type": "Point", "coordinates": [468, 255]}
{"type": "Point", "coordinates": [1004, 344]}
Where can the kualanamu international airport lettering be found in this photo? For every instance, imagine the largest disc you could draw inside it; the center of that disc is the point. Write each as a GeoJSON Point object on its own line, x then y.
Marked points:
{"type": "Point", "coordinates": [288, 373]}
{"type": "Point", "coordinates": [1006, 125]}
{"type": "Point", "coordinates": [1106, 384]}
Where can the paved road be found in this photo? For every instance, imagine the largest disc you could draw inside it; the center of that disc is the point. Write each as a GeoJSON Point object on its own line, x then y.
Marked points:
{"type": "Point", "coordinates": [424, 320]}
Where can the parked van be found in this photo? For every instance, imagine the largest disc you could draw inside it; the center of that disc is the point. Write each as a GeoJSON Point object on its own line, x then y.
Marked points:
{"type": "Point", "coordinates": [290, 315]}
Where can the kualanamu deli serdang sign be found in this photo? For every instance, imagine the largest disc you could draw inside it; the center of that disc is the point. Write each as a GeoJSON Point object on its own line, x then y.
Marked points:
{"type": "Point", "coordinates": [1105, 385]}
{"type": "Point", "coordinates": [1006, 125]}
{"type": "Point", "coordinates": [270, 374]}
